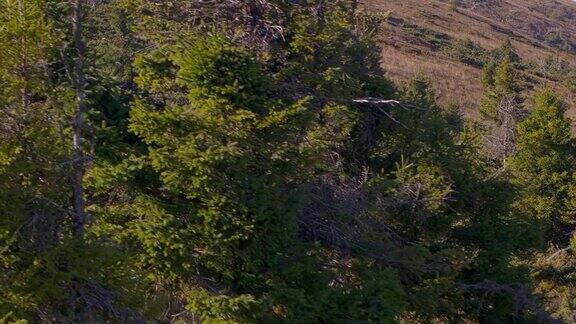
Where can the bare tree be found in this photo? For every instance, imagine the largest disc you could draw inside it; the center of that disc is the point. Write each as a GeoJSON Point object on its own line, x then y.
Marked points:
{"type": "Point", "coordinates": [501, 142]}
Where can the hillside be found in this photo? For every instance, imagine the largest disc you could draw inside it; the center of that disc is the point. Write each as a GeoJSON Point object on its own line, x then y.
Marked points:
{"type": "Point", "coordinates": [445, 40]}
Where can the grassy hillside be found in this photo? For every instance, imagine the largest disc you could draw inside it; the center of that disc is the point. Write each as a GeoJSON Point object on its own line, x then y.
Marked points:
{"type": "Point", "coordinates": [447, 40]}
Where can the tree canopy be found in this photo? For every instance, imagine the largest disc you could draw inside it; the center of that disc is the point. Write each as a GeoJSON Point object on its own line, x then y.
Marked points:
{"type": "Point", "coordinates": [251, 162]}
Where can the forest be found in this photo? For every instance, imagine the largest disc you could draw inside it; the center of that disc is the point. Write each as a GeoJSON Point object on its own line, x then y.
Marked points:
{"type": "Point", "coordinates": [250, 161]}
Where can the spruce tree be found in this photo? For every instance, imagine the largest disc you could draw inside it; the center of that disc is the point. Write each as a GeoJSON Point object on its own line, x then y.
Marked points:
{"type": "Point", "coordinates": [501, 105]}
{"type": "Point", "coordinates": [500, 84]}
{"type": "Point", "coordinates": [31, 190]}
{"type": "Point", "coordinates": [46, 274]}
{"type": "Point", "coordinates": [543, 171]}
{"type": "Point", "coordinates": [544, 164]}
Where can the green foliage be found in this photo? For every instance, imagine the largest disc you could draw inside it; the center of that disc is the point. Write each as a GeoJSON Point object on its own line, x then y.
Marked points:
{"type": "Point", "coordinates": [228, 164]}
{"type": "Point", "coordinates": [504, 79]}
{"type": "Point", "coordinates": [488, 73]}
{"type": "Point", "coordinates": [23, 21]}
{"type": "Point", "coordinates": [222, 71]}
{"type": "Point", "coordinates": [544, 164]}
{"type": "Point", "coordinates": [243, 172]}
{"type": "Point", "coordinates": [336, 55]}
{"type": "Point", "coordinates": [221, 308]}
{"type": "Point", "coordinates": [466, 51]}
{"type": "Point", "coordinates": [499, 78]}
{"type": "Point", "coordinates": [9, 318]}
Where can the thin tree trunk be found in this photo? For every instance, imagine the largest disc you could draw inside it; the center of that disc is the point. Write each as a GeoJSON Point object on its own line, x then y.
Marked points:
{"type": "Point", "coordinates": [24, 73]}
{"type": "Point", "coordinates": [78, 123]}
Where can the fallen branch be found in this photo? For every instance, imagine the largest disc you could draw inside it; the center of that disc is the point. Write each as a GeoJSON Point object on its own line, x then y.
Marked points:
{"type": "Point", "coordinates": [376, 101]}
{"type": "Point", "coordinates": [555, 254]}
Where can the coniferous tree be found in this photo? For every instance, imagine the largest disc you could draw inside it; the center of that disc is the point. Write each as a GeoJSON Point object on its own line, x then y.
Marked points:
{"type": "Point", "coordinates": [500, 84]}
{"type": "Point", "coordinates": [543, 171]}
{"type": "Point", "coordinates": [501, 105]}
{"type": "Point", "coordinates": [31, 190]}
{"type": "Point", "coordinates": [543, 166]}
{"type": "Point", "coordinates": [46, 274]}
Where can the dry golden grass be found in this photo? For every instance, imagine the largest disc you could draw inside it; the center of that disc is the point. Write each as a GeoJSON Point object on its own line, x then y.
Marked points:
{"type": "Point", "coordinates": [454, 82]}
{"type": "Point", "coordinates": [489, 26]}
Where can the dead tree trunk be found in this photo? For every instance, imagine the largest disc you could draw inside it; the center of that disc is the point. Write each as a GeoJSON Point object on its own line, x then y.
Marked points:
{"type": "Point", "coordinates": [78, 166]}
